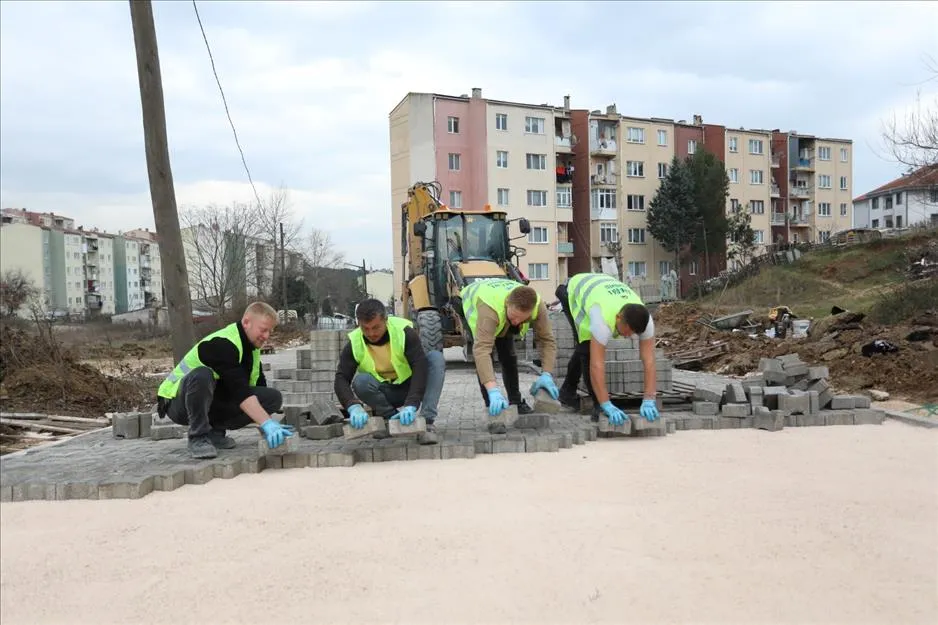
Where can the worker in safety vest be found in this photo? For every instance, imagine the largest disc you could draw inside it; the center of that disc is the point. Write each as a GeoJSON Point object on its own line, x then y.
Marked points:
{"type": "Point", "coordinates": [598, 308]}
{"type": "Point", "coordinates": [384, 365]}
{"type": "Point", "coordinates": [219, 386]}
{"type": "Point", "coordinates": [496, 310]}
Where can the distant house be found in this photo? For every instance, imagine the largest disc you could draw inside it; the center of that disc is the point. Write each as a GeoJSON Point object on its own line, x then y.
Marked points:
{"type": "Point", "coordinates": [906, 201]}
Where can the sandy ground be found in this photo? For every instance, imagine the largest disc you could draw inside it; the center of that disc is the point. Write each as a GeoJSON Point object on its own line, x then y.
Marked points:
{"type": "Point", "coordinates": [822, 525]}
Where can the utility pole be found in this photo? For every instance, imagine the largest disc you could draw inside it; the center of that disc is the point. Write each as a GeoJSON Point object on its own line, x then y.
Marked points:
{"type": "Point", "coordinates": [162, 193]}
{"type": "Point", "coordinates": [283, 270]}
{"type": "Point", "coordinates": [364, 277]}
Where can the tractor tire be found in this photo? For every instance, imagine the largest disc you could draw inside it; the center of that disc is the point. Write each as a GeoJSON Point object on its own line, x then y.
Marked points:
{"type": "Point", "coordinates": [430, 328]}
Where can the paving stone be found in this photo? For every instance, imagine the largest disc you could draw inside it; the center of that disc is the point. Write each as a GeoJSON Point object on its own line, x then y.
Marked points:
{"type": "Point", "coordinates": [796, 369]}
{"type": "Point", "coordinates": [425, 452]}
{"type": "Point", "coordinates": [508, 445]}
{"type": "Point", "coordinates": [457, 450]}
{"type": "Point", "coordinates": [706, 408]}
{"type": "Point", "coordinates": [607, 428]}
{"type": "Point", "coordinates": [838, 417]}
{"type": "Point", "coordinates": [322, 432]}
{"type": "Point", "coordinates": [532, 421]}
{"type": "Point", "coordinates": [253, 465]}
{"type": "Point", "coordinates": [298, 460]}
{"type": "Point", "coordinates": [842, 402]}
{"type": "Point", "coordinates": [201, 473]}
{"type": "Point", "coordinates": [808, 420]}
{"type": "Point", "coordinates": [146, 423]}
{"type": "Point", "coordinates": [227, 468]}
{"type": "Point", "coordinates": [735, 393]}
{"type": "Point", "coordinates": [708, 396]}
{"type": "Point", "coordinates": [672, 427]}
{"type": "Point", "coordinates": [728, 423]}
{"type": "Point", "coordinates": [290, 445]}
{"type": "Point", "coordinates": [735, 410]}
{"type": "Point", "coordinates": [545, 404]}
{"type": "Point", "coordinates": [814, 402]}
{"type": "Point", "coordinates": [336, 459]}
{"type": "Point", "coordinates": [272, 462]}
{"type": "Point", "coordinates": [374, 424]}
{"type": "Point", "coordinates": [794, 404]}
{"type": "Point", "coordinates": [169, 481]}
{"type": "Point", "coordinates": [167, 432]}
{"type": "Point", "coordinates": [770, 364]}
{"type": "Point", "coordinates": [126, 426]}
{"type": "Point", "coordinates": [125, 488]}
{"type": "Point", "coordinates": [861, 401]}
{"type": "Point", "coordinates": [868, 416]}
{"type": "Point", "coordinates": [507, 416]}
{"type": "Point", "coordinates": [419, 426]}
{"type": "Point", "coordinates": [818, 373]}
{"type": "Point", "coordinates": [773, 421]}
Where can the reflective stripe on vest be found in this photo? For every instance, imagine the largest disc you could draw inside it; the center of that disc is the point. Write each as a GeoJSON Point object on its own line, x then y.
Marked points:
{"type": "Point", "coordinates": [588, 289]}
{"type": "Point", "coordinates": [170, 385]}
{"type": "Point", "coordinates": [366, 364]}
{"type": "Point", "coordinates": [493, 292]}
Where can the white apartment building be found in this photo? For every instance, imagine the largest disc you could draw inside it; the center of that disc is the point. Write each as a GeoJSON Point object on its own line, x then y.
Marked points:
{"type": "Point", "coordinates": [909, 200]}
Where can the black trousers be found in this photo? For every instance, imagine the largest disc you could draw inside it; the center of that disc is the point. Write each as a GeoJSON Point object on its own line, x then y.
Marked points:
{"type": "Point", "coordinates": [195, 405]}
{"type": "Point", "coordinates": [505, 348]}
{"type": "Point", "coordinates": [579, 365]}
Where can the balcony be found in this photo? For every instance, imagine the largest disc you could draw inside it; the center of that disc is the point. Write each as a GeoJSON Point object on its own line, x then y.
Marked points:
{"type": "Point", "coordinates": [603, 179]}
{"type": "Point", "coordinates": [779, 219]}
{"type": "Point", "coordinates": [603, 147]}
{"type": "Point", "coordinates": [776, 160]}
{"type": "Point", "coordinates": [91, 245]}
{"type": "Point", "coordinates": [564, 174]}
{"type": "Point", "coordinates": [798, 219]}
{"type": "Point", "coordinates": [775, 191]}
{"type": "Point", "coordinates": [91, 286]}
{"type": "Point", "coordinates": [803, 164]}
{"type": "Point", "coordinates": [565, 248]}
{"type": "Point", "coordinates": [799, 192]}
{"type": "Point", "coordinates": [603, 214]}
{"type": "Point", "coordinates": [563, 144]}
{"type": "Point", "coordinates": [94, 301]}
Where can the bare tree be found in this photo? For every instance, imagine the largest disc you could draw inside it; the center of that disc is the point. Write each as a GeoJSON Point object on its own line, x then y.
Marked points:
{"type": "Point", "coordinates": [913, 139]}
{"type": "Point", "coordinates": [16, 290]}
{"type": "Point", "coordinates": [319, 254]}
{"type": "Point", "coordinates": [275, 210]}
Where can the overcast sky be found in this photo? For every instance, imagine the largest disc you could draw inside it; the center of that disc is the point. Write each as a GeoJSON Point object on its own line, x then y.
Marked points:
{"type": "Point", "coordinates": [310, 87]}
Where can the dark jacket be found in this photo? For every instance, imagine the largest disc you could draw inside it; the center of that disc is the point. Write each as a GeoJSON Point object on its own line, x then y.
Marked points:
{"type": "Point", "coordinates": [415, 355]}
{"type": "Point", "coordinates": [222, 357]}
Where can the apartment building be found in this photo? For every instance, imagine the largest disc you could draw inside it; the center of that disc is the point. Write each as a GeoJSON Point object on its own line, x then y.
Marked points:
{"type": "Point", "coordinates": [909, 200]}
{"type": "Point", "coordinates": [585, 179]}
{"type": "Point", "coordinates": [25, 247]}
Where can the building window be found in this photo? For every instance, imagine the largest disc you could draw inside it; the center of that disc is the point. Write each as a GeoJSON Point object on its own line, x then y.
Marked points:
{"type": "Point", "coordinates": [734, 205]}
{"type": "Point", "coordinates": [635, 135]}
{"type": "Point", "coordinates": [536, 161]}
{"type": "Point", "coordinates": [755, 146]}
{"type": "Point", "coordinates": [757, 207]}
{"type": "Point", "coordinates": [824, 209]}
{"type": "Point", "coordinates": [758, 237]}
{"type": "Point", "coordinates": [635, 169]}
{"type": "Point", "coordinates": [664, 268]}
{"type": "Point", "coordinates": [501, 159]}
{"type": "Point", "coordinates": [843, 184]}
{"type": "Point", "coordinates": [662, 137]}
{"type": "Point", "coordinates": [534, 125]}
{"type": "Point", "coordinates": [733, 175]}
{"type": "Point", "coordinates": [662, 170]}
{"type": "Point", "coordinates": [636, 236]}
{"type": "Point", "coordinates": [538, 271]}
{"type": "Point", "coordinates": [538, 234]}
{"type": "Point", "coordinates": [564, 197]}
{"type": "Point", "coordinates": [876, 202]}
{"type": "Point", "coordinates": [454, 162]}
{"type": "Point", "coordinates": [843, 155]}
{"type": "Point", "coordinates": [537, 198]}
{"type": "Point", "coordinates": [898, 196]}
{"type": "Point", "coordinates": [608, 232]}
{"type": "Point", "coordinates": [733, 144]}
{"type": "Point", "coordinates": [691, 146]}
{"type": "Point", "coordinates": [823, 236]}
{"type": "Point", "coordinates": [692, 270]}
{"type": "Point", "coordinates": [875, 223]}
{"type": "Point", "coordinates": [502, 197]}
{"type": "Point", "coordinates": [755, 176]}
{"type": "Point", "coordinates": [635, 202]}
{"type": "Point", "coordinates": [888, 202]}
{"type": "Point", "coordinates": [501, 121]}
{"type": "Point", "coordinates": [601, 199]}
{"type": "Point", "coordinates": [455, 199]}
{"type": "Point", "coordinates": [824, 154]}
{"type": "Point", "coordinates": [824, 182]}
{"type": "Point", "coordinates": [452, 125]}
{"type": "Point", "coordinates": [637, 268]}
{"type": "Point", "coordinates": [843, 209]}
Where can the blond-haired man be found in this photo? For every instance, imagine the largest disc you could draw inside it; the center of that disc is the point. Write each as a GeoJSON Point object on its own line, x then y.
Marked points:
{"type": "Point", "coordinates": [219, 385]}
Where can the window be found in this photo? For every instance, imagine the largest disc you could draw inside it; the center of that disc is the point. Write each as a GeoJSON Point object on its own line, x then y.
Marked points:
{"type": "Point", "coordinates": [455, 199]}
{"type": "Point", "coordinates": [454, 161]}
{"type": "Point", "coordinates": [501, 159]}
{"type": "Point", "coordinates": [843, 155]}
{"type": "Point", "coordinates": [824, 154]}
{"type": "Point", "coordinates": [824, 209]}
{"type": "Point", "coordinates": [824, 182]}
{"type": "Point", "coordinates": [534, 125]}
{"type": "Point", "coordinates": [899, 198]}
{"type": "Point", "coordinates": [536, 161]}
{"type": "Point", "coordinates": [564, 197]}
{"type": "Point", "coordinates": [823, 236]}
{"type": "Point", "coordinates": [662, 137]}
{"type": "Point", "coordinates": [734, 205]}
{"type": "Point", "coordinates": [933, 196]}
{"type": "Point", "coordinates": [538, 234]}
{"type": "Point", "coordinates": [843, 209]}
{"type": "Point", "coordinates": [691, 146]}
{"type": "Point", "coordinates": [636, 235]}
{"type": "Point", "coordinates": [635, 169]}
{"type": "Point", "coordinates": [537, 198]}
{"type": "Point", "coordinates": [635, 203]}
{"type": "Point", "coordinates": [635, 135]}
{"type": "Point", "coordinates": [537, 271]}
{"type": "Point", "coordinates": [843, 185]}
{"type": "Point", "coordinates": [452, 125]}
{"type": "Point", "coordinates": [501, 121]}
{"type": "Point", "coordinates": [502, 197]}
{"type": "Point", "coordinates": [601, 199]}
{"type": "Point", "coordinates": [755, 176]}
{"type": "Point", "coordinates": [898, 221]}
{"type": "Point", "coordinates": [662, 170]}
{"type": "Point", "coordinates": [637, 268]}
{"type": "Point", "coordinates": [888, 223]}
{"type": "Point", "coordinates": [875, 202]}
{"type": "Point", "coordinates": [757, 207]}
{"type": "Point", "coordinates": [692, 270]}
{"type": "Point", "coordinates": [733, 144]}
{"type": "Point", "coordinates": [664, 267]}
{"type": "Point", "coordinates": [758, 237]}
{"type": "Point", "coordinates": [888, 204]}
{"type": "Point", "coordinates": [733, 175]}
{"type": "Point", "coordinates": [875, 223]}
{"type": "Point", "coordinates": [755, 146]}
{"type": "Point", "coordinates": [608, 232]}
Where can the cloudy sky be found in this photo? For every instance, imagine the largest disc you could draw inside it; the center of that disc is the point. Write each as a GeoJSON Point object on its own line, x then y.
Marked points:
{"type": "Point", "coordinates": [310, 86]}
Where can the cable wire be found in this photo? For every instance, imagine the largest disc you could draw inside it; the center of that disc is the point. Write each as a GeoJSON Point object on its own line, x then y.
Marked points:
{"type": "Point", "coordinates": [225, 102]}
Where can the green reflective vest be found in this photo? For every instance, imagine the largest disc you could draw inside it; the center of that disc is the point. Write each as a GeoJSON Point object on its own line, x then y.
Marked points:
{"type": "Point", "coordinates": [190, 361]}
{"type": "Point", "coordinates": [493, 292]}
{"type": "Point", "coordinates": [362, 355]}
{"type": "Point", "coordinates": [585, 290]}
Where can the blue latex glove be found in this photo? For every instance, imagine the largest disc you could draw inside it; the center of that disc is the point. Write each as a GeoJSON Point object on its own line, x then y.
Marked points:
{"type": "Point", "coordinates": [615, 415]}
{"type": "Point", "coordinates": [649, 409]}
{"type": "Point", "coordinates": [275, 433]}
{"type": "Point", "coordinates": [357, 416]}
{"type": "Point", "coordinates": [407, 414]}
{"type": "Point", "coordinates": [497, 402]}
{"type": "Point", "coordinates": [546, 382]}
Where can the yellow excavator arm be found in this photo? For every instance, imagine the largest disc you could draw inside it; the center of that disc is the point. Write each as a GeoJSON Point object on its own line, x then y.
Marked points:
{"type": "Point", "coordinates": [423, 198]}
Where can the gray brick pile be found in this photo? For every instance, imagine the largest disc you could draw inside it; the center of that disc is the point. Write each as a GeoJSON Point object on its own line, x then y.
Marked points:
{"type": "Point", "coordinates": [308, 395]}
{"type": "Point", "coordinates": [786, 392]}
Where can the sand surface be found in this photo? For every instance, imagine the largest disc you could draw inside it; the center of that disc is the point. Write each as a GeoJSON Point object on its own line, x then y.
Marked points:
{"type": "Point", "coordinates": [808, 525]}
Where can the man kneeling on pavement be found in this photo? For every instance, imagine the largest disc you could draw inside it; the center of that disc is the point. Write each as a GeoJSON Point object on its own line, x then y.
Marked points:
{"type": "Point", "coordinates": [384, 365]}
{"type": "Point", "coordinates": [219, 386]}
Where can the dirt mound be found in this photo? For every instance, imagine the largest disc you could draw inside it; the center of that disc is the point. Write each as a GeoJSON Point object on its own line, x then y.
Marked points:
{"type": "Point", "coordinates": [37, 374]}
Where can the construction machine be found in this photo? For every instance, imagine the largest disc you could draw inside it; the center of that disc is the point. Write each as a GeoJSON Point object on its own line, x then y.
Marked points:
{"type": "Point", "coordinates": [443, 250]}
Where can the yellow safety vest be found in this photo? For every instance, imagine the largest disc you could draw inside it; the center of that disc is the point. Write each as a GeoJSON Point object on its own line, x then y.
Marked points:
{"type": "Point", "coordinates": [585, 290]}
{"type": "Point", "coordinates": [493, 292]}
{"type": "Point", "coordinates": [190, 361]}
{"type": "Point", "coordinates": [366, 364]}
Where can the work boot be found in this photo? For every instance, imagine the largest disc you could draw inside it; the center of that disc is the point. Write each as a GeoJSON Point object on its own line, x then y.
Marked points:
{"type": "Point", "coordinates": [429, 437]}
{"type": "Point", "coordinates": [221, 441]}
{"type": "Point", "coordinates": [496, 427]}
{"type": "Point", "coordinates": [201, 448]}
{"type": "Point", "coordinates": [524, 408]}
{"type": "Point", "coordinates": [570, 400]}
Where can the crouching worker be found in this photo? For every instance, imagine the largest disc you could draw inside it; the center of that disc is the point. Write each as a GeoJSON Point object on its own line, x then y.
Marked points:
{"type": "Point", "coordinates": [219, 386]}
{"type": "Point", "coordinates": [384, 365]}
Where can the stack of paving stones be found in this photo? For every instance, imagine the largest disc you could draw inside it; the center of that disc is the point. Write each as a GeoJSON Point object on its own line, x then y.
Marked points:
{"type": "Point", "coordinates": [308, 389]}
{"type": "Point", "coordinates": [786, 392]}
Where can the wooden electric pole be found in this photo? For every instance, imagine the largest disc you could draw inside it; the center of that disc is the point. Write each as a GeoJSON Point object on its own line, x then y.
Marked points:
{"type": "Point", "coordinates": [162, 193]}
{"type": "Point", "coordinates": [283, 272]}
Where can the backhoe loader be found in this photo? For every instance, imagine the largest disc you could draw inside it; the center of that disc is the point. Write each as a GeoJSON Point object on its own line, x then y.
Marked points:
{"type": "Point", "coordinates": [444, 250]}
